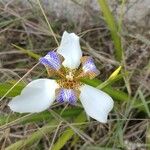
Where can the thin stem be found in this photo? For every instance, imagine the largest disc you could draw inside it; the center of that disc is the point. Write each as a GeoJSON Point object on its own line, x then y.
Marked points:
{"type": "Point", "coordinates": [48, 23]}
{"type": "Point", "coordinates": [19, 81]}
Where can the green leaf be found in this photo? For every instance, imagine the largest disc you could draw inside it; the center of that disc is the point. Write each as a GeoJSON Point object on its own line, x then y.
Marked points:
{"type": "Point", "coordinates": [16, 118]}
{"type": "Point", "coordinates": [4, 87]}
{"type": "Point", "coordinates": [115, 73]}
{"type": "Point", "coordinates": [147, 109]}
{"type": "Point", "coordinates": [34, 137]}
{"type": "Point", "coordinates": [30, 53]}
{"type": "Point", "coordinates": [116, 94]}
{"type": "Point", "coordinates": [113, 27]}
{"type": "Point", "coordinates": [68, 133]}
{"type": "Point", "coordinates": [47, 129]}
{"type": "Point", "coordinates": [113, 77]}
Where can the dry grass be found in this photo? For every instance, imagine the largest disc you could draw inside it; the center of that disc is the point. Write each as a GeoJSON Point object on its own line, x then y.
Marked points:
{"type": "Point", "coordinates": [128, 128]}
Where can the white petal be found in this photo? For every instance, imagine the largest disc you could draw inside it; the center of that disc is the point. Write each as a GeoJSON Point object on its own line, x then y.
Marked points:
{"type": "Point", "coordinates": [37, 96]}
{"type": "Point", "coordinates": [96, 103]}
{"type": "Point", "coordinates": [70, 49]}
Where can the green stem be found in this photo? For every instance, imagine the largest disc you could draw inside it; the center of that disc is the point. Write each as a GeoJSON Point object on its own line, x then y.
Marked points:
{"type": "Point", "coordinates": [113, 27]}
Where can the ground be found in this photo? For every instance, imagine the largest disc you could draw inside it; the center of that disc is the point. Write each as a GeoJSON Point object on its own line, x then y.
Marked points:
{"type": "Point", "coordinates": [128, 125]}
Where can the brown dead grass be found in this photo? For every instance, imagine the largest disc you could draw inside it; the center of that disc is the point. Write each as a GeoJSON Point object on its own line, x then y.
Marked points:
{"type": "Point", "coordinates": [29, 31]}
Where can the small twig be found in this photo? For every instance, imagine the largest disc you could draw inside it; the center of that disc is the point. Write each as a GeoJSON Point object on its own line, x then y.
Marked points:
{"type": "Point", "coordinates": [19, 81]}
{"type": "Point", "coordinates": [48, 23]}
{"type": "Point", "coordinates": [55, 135]}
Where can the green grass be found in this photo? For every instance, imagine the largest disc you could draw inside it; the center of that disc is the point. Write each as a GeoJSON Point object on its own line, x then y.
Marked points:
{"type": "Point", "coordinates": [114, 29]}
{"type": "Point", "coordinates": [64, 126]}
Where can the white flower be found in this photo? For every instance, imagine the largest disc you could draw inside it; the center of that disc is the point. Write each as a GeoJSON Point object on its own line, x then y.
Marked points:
{"type": "Point", "coordinates": [69, 66]}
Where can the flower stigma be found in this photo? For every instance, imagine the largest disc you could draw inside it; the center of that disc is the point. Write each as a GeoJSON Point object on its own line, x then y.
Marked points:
{"type": "Point", "coordinates": [68, 90]}
{"type": "Point", "coordinates": [69, 76]}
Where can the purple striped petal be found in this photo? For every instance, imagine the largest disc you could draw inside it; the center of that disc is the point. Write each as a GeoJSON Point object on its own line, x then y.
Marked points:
{"type": "Point", "coordinates": [52, 60]}
{"type": "Point", "coordinates": [66, 95]}
{"type": "Point", "coordinates": [88, 67]}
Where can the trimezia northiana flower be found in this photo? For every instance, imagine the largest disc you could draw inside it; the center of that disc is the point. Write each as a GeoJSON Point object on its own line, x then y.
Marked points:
{"type": "Point", "coordinates": [68, 64]}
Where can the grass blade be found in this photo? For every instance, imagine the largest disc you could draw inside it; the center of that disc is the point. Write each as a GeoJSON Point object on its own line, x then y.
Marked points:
{"type": "Point", "coordinates": [147, 109]}
{"type": "Point", "coordinates": [9, 120]}
{"type": "Point", "coordinates": [36, 136]}
{"type": "Point", "coordinates": [30, 53]}
{"type": "Point", "coordinates": [51, 30]}
{"type": "Point", "coordinates": [68, 133]}
{"type": "Point", "coordinates": [113, 27]}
